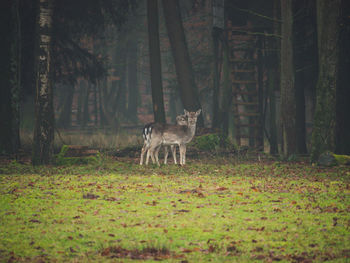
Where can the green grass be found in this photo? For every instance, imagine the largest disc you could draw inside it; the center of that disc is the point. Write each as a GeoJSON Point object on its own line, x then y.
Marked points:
{"type": "Point", "coordinates": [209, 210]}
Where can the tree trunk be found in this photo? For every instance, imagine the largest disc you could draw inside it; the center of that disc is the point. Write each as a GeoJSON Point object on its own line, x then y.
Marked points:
{"type": "Point", "coordinates": [10, 77]}
{"type": "Point", "coordinates": [272, 108]}
{"type": "Point", "coordinates": [288, 108]}
{"type": "Point", "coordinates": [187, 86]}
{"type": "Point", "coordinates": [343, 91]}
{"type": "Point", "coordinates": [132, 79]}
{"type": "Point", "coordinates": [44, 114]}
{"type": "Point", "coordinates": [301, 76]}
{"type": "Point", "coordinates": [274, 77]}
{"type": "Point", "coordinates": [65, 119]}
{"type": "Point", "coordinates": [154, 55]}
{"type": "Point", "coordinates": [323, 134]}
{"type": "Point", "coordinates": [225, 94]}
{"type": "Point", "coordinates": [217, 118]}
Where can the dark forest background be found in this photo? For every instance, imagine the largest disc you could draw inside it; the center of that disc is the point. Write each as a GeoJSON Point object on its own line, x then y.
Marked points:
{"type": "Point", "coordinates": [272, 75]}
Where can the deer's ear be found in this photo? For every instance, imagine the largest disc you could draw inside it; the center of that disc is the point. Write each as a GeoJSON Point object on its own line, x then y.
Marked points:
{"type": "Point", "coordinates": [198, 112]}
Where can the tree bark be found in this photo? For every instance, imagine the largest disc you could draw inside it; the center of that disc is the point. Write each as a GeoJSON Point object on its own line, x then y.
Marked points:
{"type": "Point", "coordinates": [288, 108]}
{"type": "Point", "coordinates": [10, 77]}
{"type": "Point", "coordinates": [156, 67]}
{"type": "Point", "coordinates": [217, 118]}
{"type": "Point", "coordinates": [65, 119]}
{"type": "Point", "coordinates": [132, 78]}
{"type": "Point", "coordinates": [44, 113]}
{"type": "Point", "coordinates": [323, 134]}
{"type": "Point", "coordinates": [343, 91]}
{"type": "Point", "coordinates": [187, 86]}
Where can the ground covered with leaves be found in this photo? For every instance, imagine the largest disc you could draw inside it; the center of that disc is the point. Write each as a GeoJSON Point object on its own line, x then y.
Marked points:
{"type": "Point", "coordinates": [210, 210]}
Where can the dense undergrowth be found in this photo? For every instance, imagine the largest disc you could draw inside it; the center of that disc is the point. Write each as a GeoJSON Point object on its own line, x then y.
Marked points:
{"type": "Point", "coordinates": [213, 209]}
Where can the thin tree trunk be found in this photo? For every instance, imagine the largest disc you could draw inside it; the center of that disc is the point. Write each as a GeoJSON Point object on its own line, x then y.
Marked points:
{"type": "Point", "coordinates": [86, 112]}
{"type": "Point", "coordinates": [343, 91]}
{"type": "Point", "coordinates": [95, 105]}
{"type": "Point", "coordinates": [300, 34]}
{"type": "Point", "coordinates": [187, 86]}
{"type": "Point", "coordinates": [80, 103]}
{"type": "Point", "coordinates": [156, 68]}
{"type": "Point", "coordinates": [132, 79]}
{"type": "Point", "coordinates": [44, 114]}
{"type": "Point", "coordinates": [225, 94]}
{"type": "Point", "coordinates": [272, 109]}
{"type": "Point", "coordinates": [217, 118]}
{"type": "Point", "coordinates": [65, 119]}
{"type": "Point", "coordinates": [323, 134]}
{"type": "Point", "coordinates": [288, 108]}
{"type": "Point", "coordinates": [10, 77]}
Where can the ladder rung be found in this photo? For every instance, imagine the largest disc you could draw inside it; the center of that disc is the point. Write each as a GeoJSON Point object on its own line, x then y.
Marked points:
{"type": "Point", "coordinates": [247, 103]}
{"type": "Point", "coordinates": [244, 81]}
{"type": "Point", "coordinates": [242, 60]}
{"type": "Point", "coordinates": [243, 70]}
{"type": "Point", "coordinates": [245, 136]}
{"type": "Point", "coordinates": [248, 114]}
{"type": "Point", "coordinates": [248, 125]}
{"type": "Point", "coordinates": [250, 93]}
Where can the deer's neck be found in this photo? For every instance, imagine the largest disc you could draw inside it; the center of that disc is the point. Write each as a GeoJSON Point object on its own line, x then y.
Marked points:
{"type": "Point", "coordinates": [191, 131]}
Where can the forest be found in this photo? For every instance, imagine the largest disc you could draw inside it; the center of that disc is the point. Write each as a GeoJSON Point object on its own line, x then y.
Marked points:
{"type": "Point", "coordinates": [251, 96]}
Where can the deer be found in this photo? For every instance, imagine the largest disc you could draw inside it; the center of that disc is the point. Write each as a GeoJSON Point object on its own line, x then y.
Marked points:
{"type": "Point", "coordinates": [164, 134]}
{"type": "Point", "coordinates": [147, 131]}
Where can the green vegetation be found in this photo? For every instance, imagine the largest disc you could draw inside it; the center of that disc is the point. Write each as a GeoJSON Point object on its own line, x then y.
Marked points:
{"type": "Point", "coordinates": [211, 142]}
{"type": "Point", "coordinates": [214, 210]}
{"type": "Point", "coordinates": [62, 159]}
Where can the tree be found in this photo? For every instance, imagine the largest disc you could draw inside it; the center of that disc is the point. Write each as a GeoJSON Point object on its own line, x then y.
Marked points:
{"type": "Point", "coordinates": [132, 78]}
{"type": "Point", "coordinates": [44, 114]}
{"type": "Point", "coordinates": [288, 107]}
{"type": "Point", "coordinates": [10, 77]}
{"type": "Point", "coordinates": [342, 140]}
{"type": "Point", "coordinates": [156, 68]}
{"type": "Point", "coordinates": [323, 134]}
{"type": "Point", "coordinates": [187, 86]}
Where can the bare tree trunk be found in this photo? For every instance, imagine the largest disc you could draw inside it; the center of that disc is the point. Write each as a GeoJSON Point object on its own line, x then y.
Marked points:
{"type": "Point", "coordinates": [288, 108]}
{"type": "Point", "coordinates": [10, 77]}
{"type": "Point", "coordinates": [217, 118]}
{"type": "Point", "coordinates": [323, 134]}
{"type": "Point", "coordinates": [65, 119]}
{"type": "Point", "coordinates": [156, 68]}
{"type": "Point", "coordinates": [187, 86]}
{"type": "Point", "coordinates": [44, 114]}
{"type": "Point", "coordinates": [132, 79]}
{"type": "Point", "coordinates": [343, 91]}
{"type": "Point", "coordinates": [86, 112]}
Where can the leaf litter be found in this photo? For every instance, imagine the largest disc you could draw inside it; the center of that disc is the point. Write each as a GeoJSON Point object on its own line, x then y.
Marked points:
{"type": "Point", "coordinates": [203, 212]}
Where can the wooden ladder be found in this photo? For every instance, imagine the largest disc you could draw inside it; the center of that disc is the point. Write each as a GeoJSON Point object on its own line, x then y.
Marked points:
{"type": "Point", "coordinates": [247, 90]}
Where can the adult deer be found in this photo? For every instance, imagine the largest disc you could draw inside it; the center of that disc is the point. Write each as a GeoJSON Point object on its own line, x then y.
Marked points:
{"type": "Point", "coordinates": [147, 134]}
{"type": "Point", "coordinates": [165, 134]}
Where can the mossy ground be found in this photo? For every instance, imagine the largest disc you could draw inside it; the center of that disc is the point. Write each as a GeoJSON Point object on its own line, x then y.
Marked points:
{"type": "Point", "coordinates": [217, 210]}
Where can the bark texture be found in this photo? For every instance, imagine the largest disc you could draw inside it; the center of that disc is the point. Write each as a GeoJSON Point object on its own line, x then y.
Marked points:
{"type": "Point", "coordinates": [323, 134]}
{"type": "Point", "coordinates": [288, 108]}
{"type": "Point", "coordinates": [187, 86]}
{"type": "Point", "coordinates": [10, 77]}
{"type": "Point", "coordinates": [156, 66]}
{"type": "Point", "coordinates": [44, 114]}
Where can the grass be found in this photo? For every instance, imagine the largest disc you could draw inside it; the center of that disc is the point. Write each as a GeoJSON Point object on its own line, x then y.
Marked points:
{"type": "Point", "coordinates": [217, 210]}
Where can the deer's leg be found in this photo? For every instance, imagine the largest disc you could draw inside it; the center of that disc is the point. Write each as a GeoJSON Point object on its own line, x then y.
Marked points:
{"type": "Point", "coordinates": [173, 151]}
{"type": "Point", "coordinates": [156, 154]}
{"type": "Point", "coordinates": [166, 153]}
{"type": "Point", "coordinates": [184, 155]}
{"type": "Point", "coordinates": [147, 156]}
{"type": "Point", "coordinates": [182, 150]}
{"type": "Point", "coordinates": [143, 150]}
{"type": "Point", "coordinates": [151, 152]}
